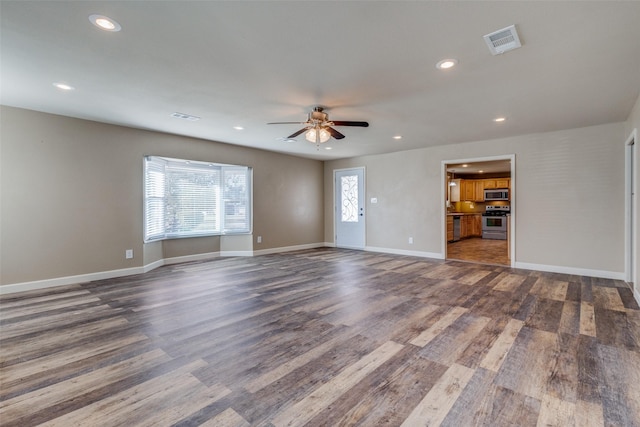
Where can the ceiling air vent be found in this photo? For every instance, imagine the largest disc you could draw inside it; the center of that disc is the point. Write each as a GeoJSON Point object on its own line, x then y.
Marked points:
{"type": "Point", "coordinates": [185, 117]}
{"type": "Point", "coordinates": [503, 40]}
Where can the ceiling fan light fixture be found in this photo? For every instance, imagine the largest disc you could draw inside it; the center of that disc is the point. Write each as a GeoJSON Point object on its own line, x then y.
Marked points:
{"type": "Point", "coordinates": [312, 135]}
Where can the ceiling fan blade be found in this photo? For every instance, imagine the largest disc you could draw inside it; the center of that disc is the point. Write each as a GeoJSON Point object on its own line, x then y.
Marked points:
{"type": "Point", "coordinates": [334, 133]}
{"type": "Point", "coordinates": [287, 123]}
{"type": "Point", "coordinates": [293, 135]}
{"type": "Point", "coordinates": [347, 123]}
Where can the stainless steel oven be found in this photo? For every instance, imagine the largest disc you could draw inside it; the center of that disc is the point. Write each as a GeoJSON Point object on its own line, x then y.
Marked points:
{"type": "Point", "coordinates": [494, 222]}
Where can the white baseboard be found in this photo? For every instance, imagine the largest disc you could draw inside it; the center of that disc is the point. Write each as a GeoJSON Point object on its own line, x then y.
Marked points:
{"type": "Point", "coordinates": [189, 258]}
{"type": "Point", "coordinates": [83, 278]}
{"type": "Point", "coordinates": [571, 270]}
{"type": "Point", "coordinates": [404, 252]}
{"type": "Point", "coordinates": [289, 248]}
{"type": "Point", "coordinates": [69, 280]}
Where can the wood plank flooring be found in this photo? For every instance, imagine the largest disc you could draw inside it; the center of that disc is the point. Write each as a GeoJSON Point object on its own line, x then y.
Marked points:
{"type": "Point", "coordinates": [323, 337]}
{"type": "Point", "coordinates": [476, 249]}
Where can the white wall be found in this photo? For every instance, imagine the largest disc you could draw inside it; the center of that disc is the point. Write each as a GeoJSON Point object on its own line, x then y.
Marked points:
{"type": "Point", "coordinates": [72, 198]}
{"type": "Point", "coordinates": [569, 198]}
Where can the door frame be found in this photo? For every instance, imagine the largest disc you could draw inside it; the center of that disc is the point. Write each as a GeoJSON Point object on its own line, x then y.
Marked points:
{"type": "Point", "coordinates": [631, 210]}
{"type": "Point", "coordinates": [512, 202]}
{"type": "Point", "coordinates": [364, 204]}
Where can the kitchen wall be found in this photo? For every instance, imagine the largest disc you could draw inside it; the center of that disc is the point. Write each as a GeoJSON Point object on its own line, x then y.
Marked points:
{"type": "Point", "coordinates": [72, 197]}
{"type": "Point", "coordinates": [567, 196]}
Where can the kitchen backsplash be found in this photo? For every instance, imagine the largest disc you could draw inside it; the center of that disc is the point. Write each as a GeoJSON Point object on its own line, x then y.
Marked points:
{"type": "Point", "coordinates": [473, 207]}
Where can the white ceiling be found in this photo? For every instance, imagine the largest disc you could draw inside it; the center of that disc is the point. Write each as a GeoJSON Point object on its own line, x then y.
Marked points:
{"type": "Point", "coordinates": [241, 63]}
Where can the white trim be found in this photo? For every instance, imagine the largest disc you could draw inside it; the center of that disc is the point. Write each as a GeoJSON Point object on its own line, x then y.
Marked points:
{"type": "Point", "coordinates": [615, 275]}
{"type": "Point", "coordinates": [84, 278]}
{"type": "Point", "coordinates": [636, 294]}
{"type": "Point", "coordinates": [290, 248]}
{"type": "Point", "coordinates": [404, 252]}
{"type": "Point", "coordinates": [69, 280]}
{"type": "Point", "coordinates": [154, 265]}
{"type": "Point", "coordinates": [102, 275]}
{"type": "Point", "coordinates": [512, 202]}
{"type": "Point", "coordinates": [190, 258]}
{"type": "Point", "coordinates": [630, 224]}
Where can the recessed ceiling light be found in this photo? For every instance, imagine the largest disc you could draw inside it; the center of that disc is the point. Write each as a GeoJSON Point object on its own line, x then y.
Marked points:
{"type": "Point", "coordinates": [238, 128]}
{"type": "Point", "coordinates": [397, 137]}
{"type": "Point", "coordinates": [465, 166]}
{"type": "Point", "coordinates": [445, 64]}
{"type": "Point", "coordinates": [328, 148]}
{"type": "Point", "coordinates": [63, 86]}
{"type": "Point", "coordinates": [499, 119]}
{"type": "Point", "coordinates": [480, 171]}
{"type": "Point", "coordinates": [105, 23]}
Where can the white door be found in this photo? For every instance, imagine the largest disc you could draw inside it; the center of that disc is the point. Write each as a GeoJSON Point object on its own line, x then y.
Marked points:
{"type": "Point", "coordinates": [349, 214]}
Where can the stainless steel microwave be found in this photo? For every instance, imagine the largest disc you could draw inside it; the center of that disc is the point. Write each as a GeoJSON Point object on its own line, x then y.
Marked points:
{"type": "Point", "coordinates": [496, 194]}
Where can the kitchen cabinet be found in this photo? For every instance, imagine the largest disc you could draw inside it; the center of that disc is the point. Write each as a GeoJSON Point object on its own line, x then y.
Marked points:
{"type": "Point", "coordinates": [449, 228]}
{"type": "Point", "coordinates": [468, 189]}
{"type": "Point", "coordinates": [477, 225]}
{"type": "Point", "coordinates": [472, 226]}
{"type": "Point", "coordinates": [454, 190]}
{"type": "Point", "coordinates": [464, 227]}
{"type": "Point", "coordinates": [479, 190]}
{"type": "Point", "coordinates": [490, 183]}
{"type": "Point", "coordinates": [503, 183]}
{"type": "Point", "coordinates": [472, 190]}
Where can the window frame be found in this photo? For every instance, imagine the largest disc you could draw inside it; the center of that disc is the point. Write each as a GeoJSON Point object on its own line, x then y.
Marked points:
{"type": "Point", "coordinates": [224, 197]}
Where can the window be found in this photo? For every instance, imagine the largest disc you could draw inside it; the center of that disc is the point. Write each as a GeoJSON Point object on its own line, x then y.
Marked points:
{"type": "Point", "coordinates": [184, 198]}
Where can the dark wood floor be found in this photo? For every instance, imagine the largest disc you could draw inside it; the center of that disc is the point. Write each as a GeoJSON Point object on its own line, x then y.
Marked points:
{"type": "Point", "coordinates": [476, 249]}
{"type": "Point", "coordinates": [323, 337]}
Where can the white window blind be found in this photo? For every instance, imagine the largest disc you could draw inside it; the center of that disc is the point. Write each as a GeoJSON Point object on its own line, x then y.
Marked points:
{"type": "Point", "coordinates": [185, 198]}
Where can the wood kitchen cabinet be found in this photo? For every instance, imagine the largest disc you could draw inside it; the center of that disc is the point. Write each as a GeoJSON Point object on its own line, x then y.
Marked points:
{"type": "Point", "coordinates": [472, 226]}
{"type": "Point", "coordinates": [503, 183]}
{"type": "Point", "coordinates": [464, 227]}
{"type": "Point", "coordinates": [490, 183]}
{"type": "Point", "coordinates": [449, 228]}
{"type": "Point", "coordinates": [472, 190]}
{"type": "Point", "coordinates": [468, 189]}
{"type": "Point", "coordinates": [477, 225]}
{"type": "Point", "coordinates": [479, 190]}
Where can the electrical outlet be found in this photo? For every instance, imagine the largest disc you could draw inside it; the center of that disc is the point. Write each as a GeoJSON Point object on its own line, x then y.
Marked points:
{"type": "Point", "coordinates": [128, 254]}
{"type": "Point", "coordinates": [259, 239]}
{"type": "Point", "coordinates": [411, 240]}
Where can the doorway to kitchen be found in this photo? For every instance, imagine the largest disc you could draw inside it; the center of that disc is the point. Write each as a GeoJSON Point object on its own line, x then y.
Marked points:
{"type": "Point", "coordinates": [631, 209]}
{"type": "Point", "coordinates": [478, 210]}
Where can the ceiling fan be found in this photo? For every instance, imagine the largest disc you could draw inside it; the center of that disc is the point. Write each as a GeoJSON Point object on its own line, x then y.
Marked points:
{"type": "Point", "coordinates": [318, 127]}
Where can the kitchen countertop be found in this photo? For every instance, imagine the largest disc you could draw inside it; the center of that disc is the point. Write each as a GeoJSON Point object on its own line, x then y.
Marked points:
{"type": "Point", "coordinates": [464, 213]}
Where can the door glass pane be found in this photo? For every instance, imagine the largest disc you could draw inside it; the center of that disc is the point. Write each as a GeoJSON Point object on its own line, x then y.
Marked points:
{"type": "Point", "coordinates": [349, 198]}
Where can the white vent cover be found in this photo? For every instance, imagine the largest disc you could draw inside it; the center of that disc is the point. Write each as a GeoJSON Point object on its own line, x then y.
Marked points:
{"type": "Point", "coordinates": [503, 40]}
{"type": "Point", "coordinates": [185, 117]}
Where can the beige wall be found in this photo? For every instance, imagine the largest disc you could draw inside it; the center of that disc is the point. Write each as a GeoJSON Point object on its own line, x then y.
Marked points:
{"type": "Point", "coordinates": [568, 197]}
{"type": "Point", "coordinates": [634, 123]}
{"type": "Point", "coordinates": [72, 196]}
